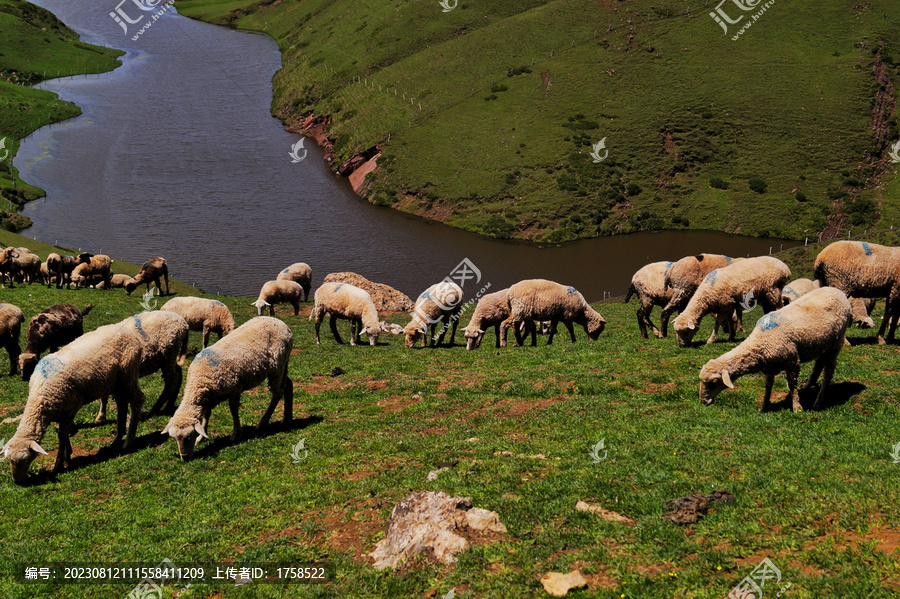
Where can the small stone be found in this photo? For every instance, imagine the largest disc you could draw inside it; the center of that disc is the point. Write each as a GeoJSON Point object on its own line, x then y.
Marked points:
{"type": "Point", "coordinates": [472, 440]}
{"type": "Point", "coordinates": [481, 519]}
{"type": "Point", "coordinates": [558, 584]}
{"type": "Point", "coordinates": [584, 506]}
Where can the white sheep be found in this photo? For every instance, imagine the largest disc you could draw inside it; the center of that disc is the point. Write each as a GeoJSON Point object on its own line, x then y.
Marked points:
{"type": "Point", "coordinates": [811, 327]}
{"type": "Point", "coordinates": [345, 301]}
{"type": "Point", "coordinates": [201, 314]}
{"type": "Point", "coordinates": [257, 350]}
{"type": "Point", "coordinates": [797, 288]}
{"type": "Point", "coordinates": [118, 281]}
{"type": "Point", "coordinates": [440, 302]}
{"type": "Point", "coordinates": [11, 319]}
{"type": "Point", "coordinates": [862, 306]}
{"type": "Point", "coordinates": [540, 299]}
{"type": "Point", "coordinates": [724, 290]}
{"type": "Point", "coordinates": [862, 269]}
{"type": "Point", "coordinates": [649, 284]}
{"type": "Point", "coordinates": [99, 267]}
{"type": "Point", "coordinates": [492, 309]}
{"type": "Point", "coordinates": [278, 292]}
{"type": "Point", "coordinates": [684, 277]}
{"type": "Point", "coordinates": [103, 362]}
{"type": "Point", "coordinates": [298, 272]}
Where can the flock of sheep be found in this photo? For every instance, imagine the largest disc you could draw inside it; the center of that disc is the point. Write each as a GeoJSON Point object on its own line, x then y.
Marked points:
{"type": "Point", "coordinates": [804, 321]}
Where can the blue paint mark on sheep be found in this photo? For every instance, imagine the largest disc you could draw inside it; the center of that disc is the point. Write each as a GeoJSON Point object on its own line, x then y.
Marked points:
{"type": "Point", "coordinates": [285, 271]}
{"type": "Point", "coordinates": [727, 260]}
{"type": "Point", "coordinates": [218, 303]}
{"type": "Point", "coordinates": [425, 295]}
{"type": "Point", "coordinates": [139, 327]}
{"type": "Point", "coordinates": [338, 287]}
{"type": "Point", "coordinates": [572, 290]}
{"type": "Point", "coordinates": [49, 366]}
{"type": "Point", "coordinates": [768, 322]}
{"type": "Point", "coordinates": [711, 278]}
{"type": "Point", "coordinates": [866, 248]}
{"type": "Point", "coordinates": [209, 356]}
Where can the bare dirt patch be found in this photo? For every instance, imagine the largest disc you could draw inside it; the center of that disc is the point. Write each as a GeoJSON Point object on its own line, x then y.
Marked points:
{"type": "Point", "coordinates": [395, 403]}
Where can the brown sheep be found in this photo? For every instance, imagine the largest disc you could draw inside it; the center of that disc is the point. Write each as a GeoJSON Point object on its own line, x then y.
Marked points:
{"type": "Point", "coordinates": [151, 270]}
{"type": "Point", "coordinates": [51, 328]}
{"type": "Point", "coordinates": [684, 277]}
{"type": "Point", "coordinates": [99, 266]}
{"type": "Point", "coordinates": [11, 319]}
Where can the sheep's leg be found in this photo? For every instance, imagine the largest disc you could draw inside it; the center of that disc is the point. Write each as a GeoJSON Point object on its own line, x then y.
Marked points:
{"type": "Point", "coordinates": [792, 373]}
{"type": "Point", "coordinates": [288, 396]}
{"type": "Point", "coordinates": [296, 304]}
{"type": "Point", "coordinates": [234, 404]}
{"type": "Point", "coordinates": [453, 329]}
{"type": "Point", "coordinates": [569, 326]}
{"type": "Point", "coordinates": [12, 348]}
{"type": "Point", "coordinates": [354, 332]}
{"type": "Point", "coordinates": [206, 332]}
{"type": "Point", "coordinates": [496, 335]}
{"type": "Point", "coordinates": [134, 398]}
{"type": "Point", "coordinates": [504, 329]}
{"type": "Point", "coordinates": [829, 363]}
{"type": "Point", "coordinates": [766, 405]}
{"type": "Point", "coordinates": [64, 449]}
{"type": "Point", "coordinates": [642, 321]}
{"type": "Point", "coordinates": [712, 338]}
{"type": "Point", "coordinates": [281, 387]}
{"type": "Point", "coordinates": [318, 315]}
{"type": "Point", "coordinates": [166, 276]}
{"type": "Point", "coordinates": [332, 322]}
{"type": "Point", "coordinates": [553, 323]}
{"type": "Point", "coordinates": [272, 309]}
{"type": "Point", "coordinates": [101, 414]}
{"type": "Point", "coordinates": [172, 376]}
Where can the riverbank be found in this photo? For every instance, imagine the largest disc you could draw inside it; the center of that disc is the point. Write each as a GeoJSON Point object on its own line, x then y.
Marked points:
{"type": "Point", "coordinates": [36, 46]}
{"type": "Point", "coordinates": [486, 115]}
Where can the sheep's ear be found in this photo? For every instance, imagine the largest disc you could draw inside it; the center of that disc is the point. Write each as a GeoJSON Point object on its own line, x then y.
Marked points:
{"type": "Point", "coordinates": [199, 428]}
{"type": "Point", "coordinates": [726, 378]}
{"type": "Point", "coordinates": [480, 331]}
{"type": "Point", "coordinates": [167, 430]}
{"type": "Point", "coordinates": [37, 448]}
{"type": "Point", "coordinates": [692, 326]}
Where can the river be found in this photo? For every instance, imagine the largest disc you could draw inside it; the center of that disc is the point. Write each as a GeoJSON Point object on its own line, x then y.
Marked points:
{"type": "Point", "coordinates": [176, 154]}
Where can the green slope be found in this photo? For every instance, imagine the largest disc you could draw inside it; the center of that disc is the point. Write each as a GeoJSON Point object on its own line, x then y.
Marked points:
{"type": "Point", "coordinates": [795, 102]}
{"type": "Point", "coordinates": [35, 45]}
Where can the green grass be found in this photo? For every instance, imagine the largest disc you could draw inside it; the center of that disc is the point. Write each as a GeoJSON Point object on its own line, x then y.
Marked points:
{"type": "Point", "coordinates": [34, 46]}
{"type": "Point", "coordinates": [816, 491]}
{"type": "Point", "coordinates": [790, 103]}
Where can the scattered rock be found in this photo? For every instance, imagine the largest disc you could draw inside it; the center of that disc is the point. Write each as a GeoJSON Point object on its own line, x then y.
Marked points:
{"type": "Point", "coordinates": [472, 440]}
{"type": "Point", "coordinates": [432, 476]}
{"type": "Point", "coordinates": [558, 584]}
{"type": "Point", "coordinates": [481, 519]}
{"type": "Point", "coordinates": [690, 508]}
{"type": "Point", "coordinates": [429, 521]}
{"type": "Point", "coordinates": [584, 506]}
{"type": "Point", "coordinates": [387, 299]}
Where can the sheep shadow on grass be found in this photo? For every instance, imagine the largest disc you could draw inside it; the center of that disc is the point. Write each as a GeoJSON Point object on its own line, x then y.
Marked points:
{"type": "Point", "coordinates": [837, 394]}
{"type": "Point", "coordinates": [212, 447]}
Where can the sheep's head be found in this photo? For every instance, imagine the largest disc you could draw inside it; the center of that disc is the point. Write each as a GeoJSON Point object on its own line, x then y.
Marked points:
{"type": "Point", "coordinates": [186, 432]}
{"type": "Point", "coordinates": [20, 453]}
{"type": "Point", "coordinates": [260, 306]}
{"type": "Point", "coordinates": [27, 362]}
{"type": "Point", "coordinates": [413, 333]}
{"type": "Point", "coordinates": [130, 286]}
{"type": "Point", "coordinates": [473, 337]}
{"type": "Point", "coordinates": [595, 326]}
{"type": "Point", "coordinates": [685, 330]}
{"type": "Point", "coordinates": [713, 380]}
{"type": "Point", "coordinates": [84, 258]}
{"type": "Point", "coordinates": [381, 327]}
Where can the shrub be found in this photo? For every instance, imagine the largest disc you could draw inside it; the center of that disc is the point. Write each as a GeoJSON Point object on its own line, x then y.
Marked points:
{"type": "Point", "coordinates": [634, 189]}
{"type": "Point", "coordinates": [718, 183]}
{"type": "Point", "coordinates": [757, 185]}
{"type": "Point", "coordinates": [801, 197]}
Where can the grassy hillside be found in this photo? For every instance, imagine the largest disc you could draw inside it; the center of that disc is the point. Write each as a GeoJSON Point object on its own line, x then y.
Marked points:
{"type": "Point", "coordinates": [35, 45]}
{"type": "Point", "coordinates": [816, 492]}
{"type": "Point", "coordinates": [485, 115]}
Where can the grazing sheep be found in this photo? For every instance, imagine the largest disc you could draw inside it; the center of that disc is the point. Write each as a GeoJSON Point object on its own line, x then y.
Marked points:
{"type": "Point", "coordinates": [540, 299]}
{"type": "Point", "coordinates": [118, 281]}
{"type": "Point", "coordinates": [386, 298]}
{"type": "Point", "coordinates": [725, 289]}
{"type": "Point", "coordinates": [11, 319]}
{"type": "Point", "coordinates": [441, 301]}
{"type": "Point", "coordinates": [684, 277]}
{"type": "Point", "coordinates": [258, 349]}
{"type": "Point", "coordinates": [278, 292]}
{"type": "Point", "coordinates": [102, 362]}
{"type": "Point", "coordinates": [7, 265]}
{"type": "Point", "coordinates": [151, 271]}
{"type": "Point", "coordinates": [342, 300]}
{"type": "Point", "coordinates": [99, 266]}
{"type": "Point", "coordinates": [300, 273]}
{"type": "Point", "coordinates": [492, 309]}
{"type": "Point", "coordinates": [811, 327]}
{"type": "Point", "coordinates": [862, 269]}
{"type": "Point", "coordinates": [649, 283]}
{"type": "Point", "coordinates": [50, 329]}
{"type": "Point", "coordinates": [201, 314]}
{"type": "Point", "coordinates": [797, 288]}
{"type": "Point", "coordinates": [27, 267]}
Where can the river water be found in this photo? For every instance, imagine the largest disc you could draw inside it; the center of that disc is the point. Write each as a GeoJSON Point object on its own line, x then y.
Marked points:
{"type": "Point", "coordinates": [177, 155]}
